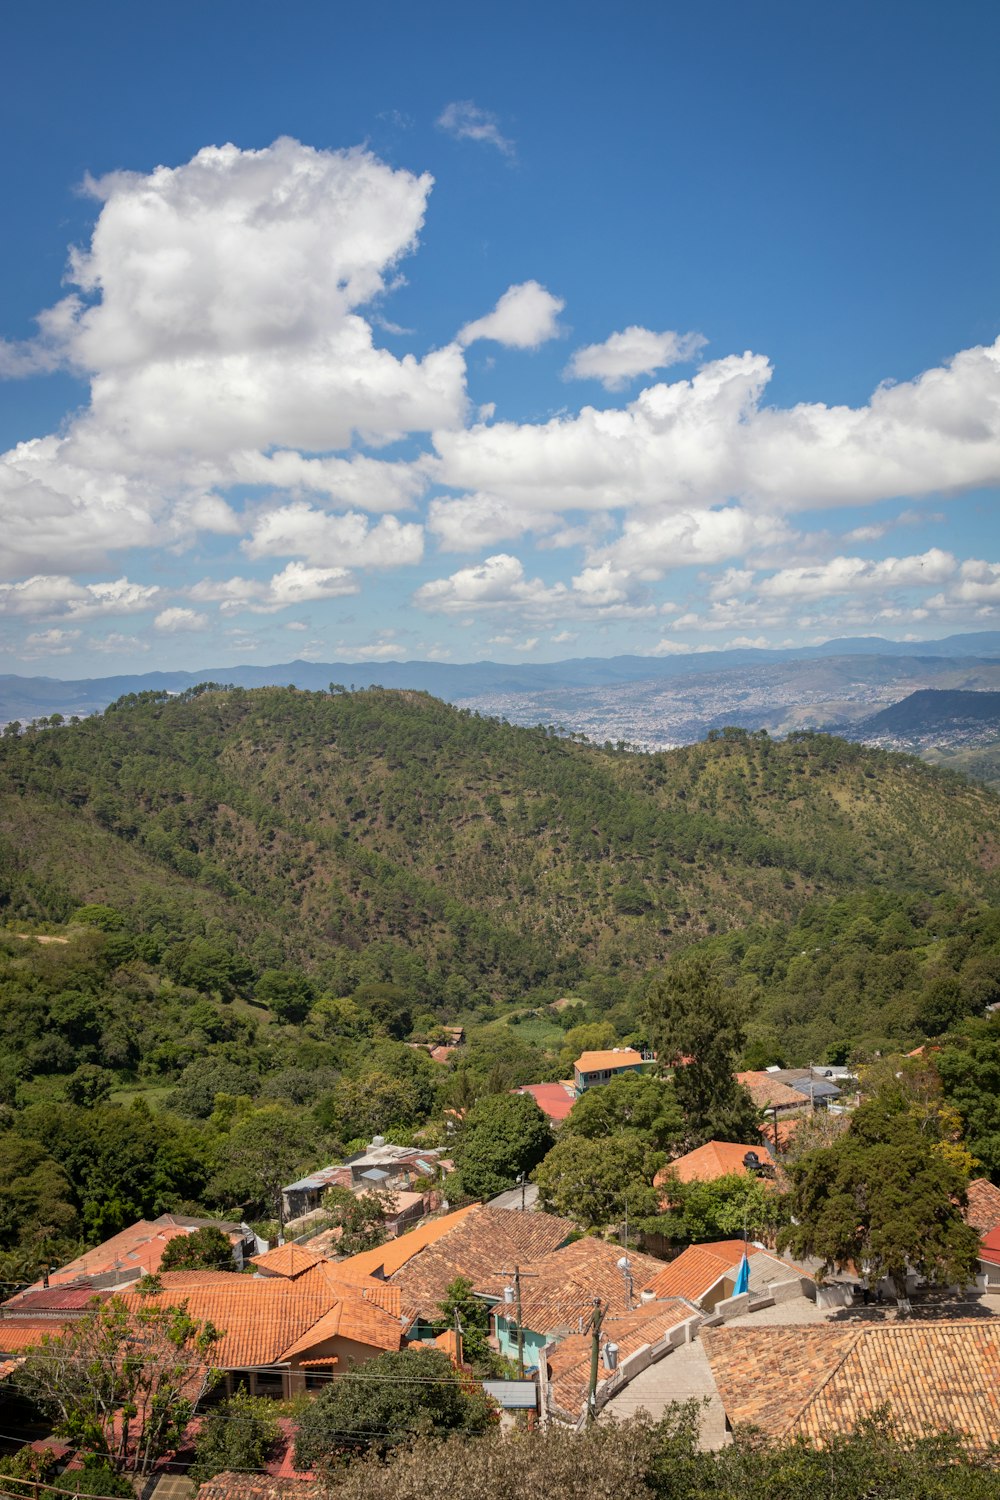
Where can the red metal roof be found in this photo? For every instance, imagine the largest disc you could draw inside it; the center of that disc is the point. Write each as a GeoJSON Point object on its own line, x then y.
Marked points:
{"type": "Point", "coordinates": [990, 1247]}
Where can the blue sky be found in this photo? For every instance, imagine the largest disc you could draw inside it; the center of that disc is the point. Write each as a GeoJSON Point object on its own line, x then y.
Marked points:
{"type": "Point", "coordinates": [518, 332]}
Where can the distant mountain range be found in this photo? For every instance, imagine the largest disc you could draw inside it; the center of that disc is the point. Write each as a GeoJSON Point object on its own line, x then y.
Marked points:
{"type": "Point", "coordinates": [653, 701]}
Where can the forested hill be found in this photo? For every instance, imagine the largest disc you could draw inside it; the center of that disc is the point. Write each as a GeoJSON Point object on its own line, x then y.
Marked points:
{"type": "Point", "coordinates": [934, 711]}
{"type": "Point", "coordinates": [318, 828]}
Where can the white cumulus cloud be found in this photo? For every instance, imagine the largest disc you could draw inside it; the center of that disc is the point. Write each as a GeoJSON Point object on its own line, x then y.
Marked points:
{"type": "Point", "coordinates": [345, 540]}
{"type": "Point", "coordinates": [634, 351]}
{"type": "Point", "coordinates": [178, 619]}
{"type": "Point", "coordinates": [297, 583]}
{"type": "Point", "coordinates": [51, 595]}
{"type": "Point", "coordinates": [217, 312]}
{"type": "Point", "coordinates": [525, 317]}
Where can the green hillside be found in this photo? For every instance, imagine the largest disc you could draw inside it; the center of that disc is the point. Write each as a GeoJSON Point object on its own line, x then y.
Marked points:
{"type": "Point", "coordinates": [231, 923]}
{"type": "Point", "coordinates": [314, 827]}
{"type": "Point", "coordinates": [981, 763]}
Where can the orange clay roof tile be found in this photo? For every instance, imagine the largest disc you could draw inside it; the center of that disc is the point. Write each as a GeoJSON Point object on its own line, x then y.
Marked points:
{"type": "Point", "coordinates": [388, 1258]}
{"type": "Point", "coordinates": [697, 1269]}
{"type": "Point", "coordinates": [287, 1260]}
{"type": "Point", "coordinates": [569, 1360]}
{"type": "Point", "coordinates": [488, 1242]}
{"type": "Point", "coordinates": [983, 1211]}
{"type": "Point", "coordinates": [560, 1288]}
{"type": "Point", "coordinates": [818, 1381]}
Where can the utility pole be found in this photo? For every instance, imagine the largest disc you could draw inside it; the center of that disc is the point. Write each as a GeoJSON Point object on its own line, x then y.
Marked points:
{"type": "Point", "coordinates": [594, 1323]}
{"type": "Point", "coordinates": [517, 1273]}
{"type": "Point", "coordinates": [520, 1329]}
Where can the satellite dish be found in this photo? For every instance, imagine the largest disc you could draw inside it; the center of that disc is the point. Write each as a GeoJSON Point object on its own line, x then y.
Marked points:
{"type": "Point", "coordinates": [624, 1264]}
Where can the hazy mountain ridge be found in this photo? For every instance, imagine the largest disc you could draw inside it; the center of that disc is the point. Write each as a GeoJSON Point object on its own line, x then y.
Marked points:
{"type": "Point", "coordinates": [654, 701]}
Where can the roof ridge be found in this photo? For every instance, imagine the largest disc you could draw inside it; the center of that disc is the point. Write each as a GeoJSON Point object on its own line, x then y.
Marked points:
{"type": "Point", "coordinates": [816, 1391]}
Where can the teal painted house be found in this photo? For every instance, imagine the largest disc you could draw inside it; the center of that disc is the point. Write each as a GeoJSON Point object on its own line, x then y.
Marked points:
{"type": "Point", "coordinates": [591, 1069]}
{"type": "Point", "coordinates": [505, 1323]}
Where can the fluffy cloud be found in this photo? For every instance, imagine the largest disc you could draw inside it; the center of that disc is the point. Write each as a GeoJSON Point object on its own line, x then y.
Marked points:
{"type": "Point", "coordinates": [849, 575]}
{"type": "Point", "coordinates": [651, 545]}
{"type": "Point", "coordinates": [524, 318]}
{"type": "Point", "coordinates": [976, 583]}
{"type": "Point", "coordinates": [634, 351]}
{"type": "Point", "coordinates": [368, 483]}
{"type": "Point", "coordinates": [216, 313]}
{"type": "Point", "coordinates": [467, 122]}
{"type": "Point", "coordinates": [226, 314]}
{"type": "Point", "coordinates": [115, 642]}
{"type": "Point", "coordinates": [473, 521]}
{"type": "Point", "coordinates": [58, 595]}
{"type": "Point", "coordinates": [177, 619]}
{"type": "Point", "coordinates": [698, 443]}
{"type": "Point", "coordinates": [295, 584]}
{"type": "Point", "coordinates": [348, 540]}
{"type": "Point", "coordinates": [499, 583]}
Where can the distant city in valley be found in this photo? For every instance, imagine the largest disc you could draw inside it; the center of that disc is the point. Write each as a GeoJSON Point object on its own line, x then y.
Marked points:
{"type": "Point", "coordinates": [646, 702]}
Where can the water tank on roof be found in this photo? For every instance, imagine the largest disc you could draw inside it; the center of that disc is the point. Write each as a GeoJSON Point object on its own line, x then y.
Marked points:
{"type": "Point", "coordinates": [378, 1140]}
{"type": "Point", "coordinates": [752, 1161]}
{"type": "Point", "coordinates": [610, 1353]}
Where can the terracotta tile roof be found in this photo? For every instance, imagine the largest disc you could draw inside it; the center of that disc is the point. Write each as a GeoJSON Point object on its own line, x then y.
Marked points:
{"type": "Point", "coordinates": [616, 1057]}
{"type": "Point", "coordinates": [786, 1130]}
{"type": "Point", "coordinates": [259, 1317]}
{"type": "Point", "coordinates": [769, 1093]}
{"type": "Point", "coordinates": [983, 1211]}
{"type": "Point", "coordinates": [137, 1250]}
{"type": "Point", "coordinates": [266, 1320]}
{"type": "Point", "coordinates": [287, 1260]}
{"type": "Point", "coordinates": [553, 1099]}
{"type": "Point", "coordinates": [697, 1269]}
{"type": "Point", "coordinates": [24, 1333]}
{"type": "Point", "coordinates": [706, 1163]}
{"type": "Point", "coordinates": [485, 1243]}
{"type": "Point", "coordinates": [387, 1258]}
{"type": "Point", "coordinates": [559, 1289]}
{"type": "Point", "coordinates": [818, 1380]}
{"type": "Point", "coordinates": [366, 1314]}
{"type": "Point", "coordinates": [569, 1360]}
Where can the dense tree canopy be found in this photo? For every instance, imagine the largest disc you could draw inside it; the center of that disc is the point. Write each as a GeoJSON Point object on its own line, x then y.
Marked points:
{"type": "Point", "coordinates": [122, 1384]}
{"type": "Point", "coordinates": [885, 1197]}
{"type": "Point", "coordinates": [699, 1030]}
{"type": "Point", "coordinates": [205, 1249]}
{"type": "Point", "coordinates": [502, 1136]}
{"type": "Point", "coordinates": [596, 1180]}
{"type": "Point", "coordinates": [387, 1401]}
